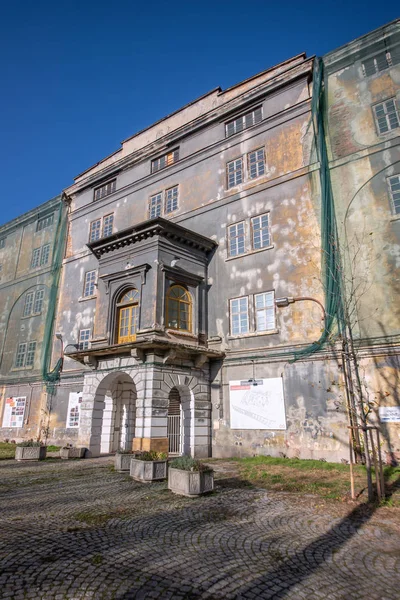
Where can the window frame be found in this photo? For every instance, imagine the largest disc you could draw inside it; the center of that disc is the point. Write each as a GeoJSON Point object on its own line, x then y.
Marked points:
{"type": "Point", "coordinates": [83, 342]}
{"type": "Point", "coordinates": [3, 242]}
{"type": "Point", "coordinates": [231, 314]}
{"type": "Point", "coordinates": [113, 188]}
{"type": "Point", "coordinates": [395, 213]}
{"type": "Point", "coordinates": [133, 315]}
{"type": "Point", "coordinates": [396, 112]}
{"type": "Point", "coordinates": [154, 161]}
{"type": "Point", "coordinates": [93, 230]}
{"type": "Point", "coordinates": [174, 208]}
{"type": "Point", "coordinates": [264, 308]}
{"type": "Point", "coordinates": [108, 216]}
{"type": "Point", "coordinates": [252, 231]}
{"type": "Point", "coordinates": [25, 355]}
{"type": "Point", "coordinates": [243, 118]}
{"type": "Point", "coordinates": [44, 222]}
{"type": "Point", "coordinates": [44, 254]}
{"type": "Point", "coordinates": [245, 250]}
{"type": "Point", "coordinates": [159, 204]}
{"type": "Point", "coordinates": [36, 253]}
{"type": "Point", "coordinates": [92, 283]}
{"type": "Point", "coordinates": [39, 297]}
{"type": "Point", "coordinates": [28, 304]}
{"type": "Point", "coordinates": [258, 174]}
{"type": "Point", "coordinates": [235, 184]}
{"type": "Point", "coordinates": [189, 303]}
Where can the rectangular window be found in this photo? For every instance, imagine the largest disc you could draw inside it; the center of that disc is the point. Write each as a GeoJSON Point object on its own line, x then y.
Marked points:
{"type": "Point", "coordinates": [84, 335]}
{"type": "Point", "coordinates": [265, 311]}
{"type": "Point", "coordinates": [155, 205]}
{"type": "Point", "coordinates": [44, 257]}
{"type": "Point", "coordinates": [394, 183]}
{"type": "Point", "coordinates": [28, 306]}
{"type": "Point", "coordinates": [30, 355]}
{"type": "Point", "coordinates": [256, 163]}
{"type": "Point", "coordinates": [95, 228]}
{"type": "Point", "coordinates": [2, 242]}
{"type": "Point", "coordinates": [243, 122]}
{"type": "Point", "coordinates": [35, 258]}
{"type": "Point", "coordinates": [37, 307]}
{"type": "Point", "coordinates": [108, 222]}
{"type": "Point", "coordinates": [236, 239]}
{"type": "Point", "coordinates": [239, 316]}
{"type": "Point", "coordinates": [21, 355]}
{"type": "Point", "coordinates": [234, 171]}
{"type": "Point", "coordinates": [387, 116]}
{"type": "Point", "coordinates": [105, 190]}
{"type": "Point", "coordinates": [261, 236]}
{"type": "Point", "coordinates": [165, 161]}
{"type": "Point", "coordinates": [90, 280]}
{"type": "Point", "coordinates": [171, 199]}
{"type": "Point", "coordinates": [45, 222]}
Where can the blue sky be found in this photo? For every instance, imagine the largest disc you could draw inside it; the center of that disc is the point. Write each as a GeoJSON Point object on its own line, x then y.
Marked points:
{"type": "Point", "coordinates": [78, 77]}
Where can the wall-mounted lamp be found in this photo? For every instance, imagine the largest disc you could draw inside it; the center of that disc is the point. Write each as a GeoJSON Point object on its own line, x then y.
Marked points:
{"type": "Point", "coordinates": [281, 302]}
{"type": "Point", "coordinates": [59, 336]}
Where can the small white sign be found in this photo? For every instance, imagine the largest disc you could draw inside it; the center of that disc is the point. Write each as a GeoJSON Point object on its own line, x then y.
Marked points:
{"type": "Point", "coordinates": [14, 411]}
{"type": "Point", "coordinates": [74, 409]}
{"type": "Point", "coordinates": [389, 414]}
{"type": "Point", "coordinates": [257, 404]}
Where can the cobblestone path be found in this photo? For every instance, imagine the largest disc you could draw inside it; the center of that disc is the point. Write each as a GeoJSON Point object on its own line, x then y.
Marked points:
{"type": "Point", "coordinates": [76, 530]}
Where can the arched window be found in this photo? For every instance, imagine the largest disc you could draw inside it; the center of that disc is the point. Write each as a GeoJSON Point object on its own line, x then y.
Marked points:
{"type": "Point", "coordinates": [179, 308]}
{"type": "Point", "coordinates": [127, 316]}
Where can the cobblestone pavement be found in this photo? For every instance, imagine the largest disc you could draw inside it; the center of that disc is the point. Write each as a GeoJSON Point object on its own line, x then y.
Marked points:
{"type": "Point", "coordinates": [77, 530]}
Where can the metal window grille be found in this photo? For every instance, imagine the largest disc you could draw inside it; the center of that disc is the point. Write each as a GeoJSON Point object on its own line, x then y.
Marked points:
{"type": "Point", "coordinates": [165, 161]}
{"type": "Point", "coordinates": [45, 222]}
{"type": "Point", "coordinates": [35, 258]}
{"type": "Point", "coordinates": [394, 183]}
{"type": "Point", "coordinates": [387, 116]}
{"type": "Point", "coordinates": [239, 316]}
{"type": "Point", "coordinates": [105, 190]}
{"type": "Point", "coordinates": [108, 223]}
{"type": "Point", "coordinates": [243, 122]}
{"type": "Point", "coordinates": [261, 231]}
{"type": "Point", "coordinates": [90, 280]}
{"type": "Point", "coordinates": [95, 227]}
{"type": "Point", "coordinates": [84, 336]}
{"type": "Point", "coordinates": [234, 171]}
{"type": "Point", "coordinates": [37, 307]}
{"type": "Point", "coordinates": [21, 354]}
{"type": "Point", "coordinates": [28, 304]}
{"type": "Point", "coordinates": [236, 239]}
{"type": "Point", "coordinates": [171, 199]}
{"type": "Point", "coordinates": [30, 355]}
{"type": "Point", "coordinates": [256, 163]}
{"type": "Point", "coordinates": [44, 256]}
{"type": "Point", "coordinates": [155, 205]}
{"type": "Point", "coordinates": [2, 242]}
{"type": "Point", "coordinates": [265, 311]}
{"type": "Point", "coordinates": [174, 429]}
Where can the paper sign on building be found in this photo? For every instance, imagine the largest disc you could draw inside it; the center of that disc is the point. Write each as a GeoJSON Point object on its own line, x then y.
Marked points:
{"type": "Point", "coordinates": [14, 412]}
{"type": "Point", "coordinates": [257, 404]}
{"type": "Point", "coordinates": [74, 409]}
{"type": "Point", "coordinates": [389, 414]}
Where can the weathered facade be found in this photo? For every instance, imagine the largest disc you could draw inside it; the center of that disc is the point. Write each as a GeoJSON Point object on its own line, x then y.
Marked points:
{"type": "Point", "coordinates": [180, 243]}
{"type": "Point", "coordinates": [28, 288]}
{"type": "Point", "coordinates": [363, 118]}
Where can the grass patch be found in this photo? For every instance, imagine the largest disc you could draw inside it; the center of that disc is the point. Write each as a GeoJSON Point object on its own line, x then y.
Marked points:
{"type": "Point", "coordinates": [53, 448]}
{"type": "Point", "coordinates": [7, 450]}
{"type": "Point", "coordinates": [328, 480]}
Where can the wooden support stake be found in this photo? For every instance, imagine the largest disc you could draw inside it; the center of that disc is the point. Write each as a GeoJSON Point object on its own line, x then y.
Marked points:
{"type": "Point", "coordinates": [377, 474]}
{"type": "Point", "coordinates": [353, 495]}
{"type": "Point", "coordinates": [380, 464]}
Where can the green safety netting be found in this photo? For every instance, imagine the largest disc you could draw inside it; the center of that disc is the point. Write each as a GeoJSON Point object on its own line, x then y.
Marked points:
{"type": "Point", "coordinates": [51, 377]}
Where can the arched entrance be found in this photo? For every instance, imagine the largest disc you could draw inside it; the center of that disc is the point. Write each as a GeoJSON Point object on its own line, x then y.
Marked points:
{"type": "Point", "coordinates": [114, 414]}
{"type": "Point", "coordinates": [179, 421]}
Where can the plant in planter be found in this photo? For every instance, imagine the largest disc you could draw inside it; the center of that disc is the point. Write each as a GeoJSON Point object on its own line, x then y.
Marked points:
{"type": "Point", "coordinates": [30, 450]}
{"type": "Point", "coordinates": [123, 459]}
{"type": "Point", "coordinates": [151, 466]}
{"type": "Point", "coordinates": [72, 452]}
{"type": "Point", "coordinates": [190, 477]}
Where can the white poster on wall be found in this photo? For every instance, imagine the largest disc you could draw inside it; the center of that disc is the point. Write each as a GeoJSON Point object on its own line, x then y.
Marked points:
{"type": "Point", "coordinates": [389, 414]}
{"type": "Point", "coordinates": [74, 409]}
{"type": "Point", "coordinates": [14, 412]}
{"type": "Point", "coordinates": [257, 404]}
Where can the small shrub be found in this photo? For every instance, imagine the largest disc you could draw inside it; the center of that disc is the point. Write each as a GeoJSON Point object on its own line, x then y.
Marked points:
{"type": "Point", "coordinates": [153, 455]}
{"type": "Point", "coordinates": [187, 463]}
{"type": "Point", "coordinates": [120, 451]}
{"type": "Point", "coordinates": [30, 444]}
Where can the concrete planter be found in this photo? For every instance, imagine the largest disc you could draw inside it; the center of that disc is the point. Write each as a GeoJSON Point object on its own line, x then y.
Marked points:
{"type": "Point", "coordinates": [148, 470]}
{"type": "Point", "coordinates": [66, 453]}
{"type": "Point", "coordinates": [30, 452]}
{"type": "Point", "coordinates": [123, 461]}
{"type": "Point", "coordinates": [190, 483]}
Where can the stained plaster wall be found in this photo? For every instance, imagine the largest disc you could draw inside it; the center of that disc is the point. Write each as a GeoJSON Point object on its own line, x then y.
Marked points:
{"type": "Point", "coordinates": [361, 162]}
{"type": "Point", "coordinates": [18, 278]}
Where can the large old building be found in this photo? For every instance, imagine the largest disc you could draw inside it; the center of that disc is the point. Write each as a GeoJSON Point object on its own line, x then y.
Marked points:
{"type": "Point", "coordinates": [191, 300]}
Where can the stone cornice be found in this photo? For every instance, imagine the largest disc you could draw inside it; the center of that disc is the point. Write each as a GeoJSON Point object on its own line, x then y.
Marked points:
{"type": "Point", "coordinates": [151, 228]}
